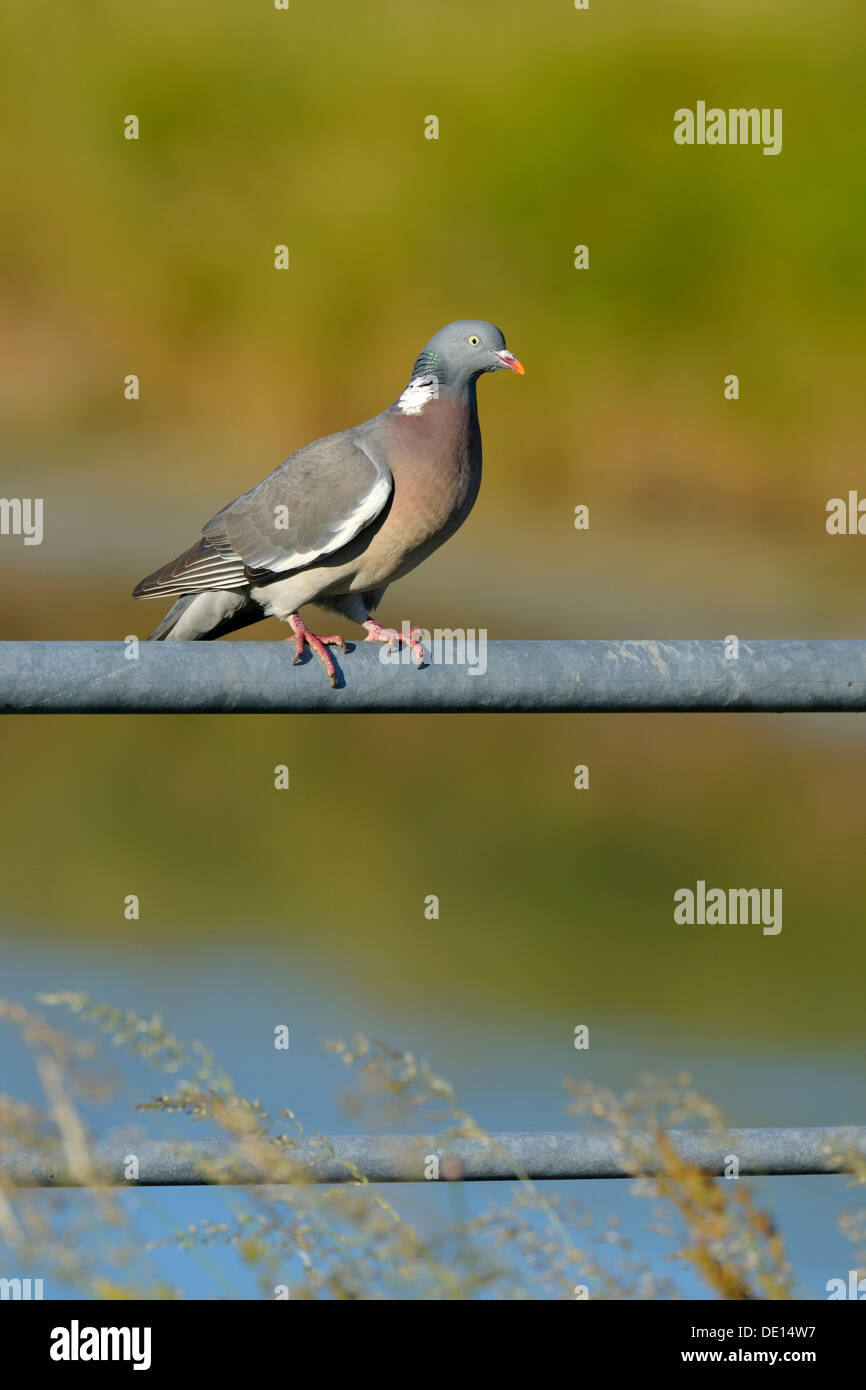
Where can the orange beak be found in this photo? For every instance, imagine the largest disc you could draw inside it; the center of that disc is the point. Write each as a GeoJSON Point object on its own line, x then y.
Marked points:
{"type": "Point", "coordinates": [510, 361]}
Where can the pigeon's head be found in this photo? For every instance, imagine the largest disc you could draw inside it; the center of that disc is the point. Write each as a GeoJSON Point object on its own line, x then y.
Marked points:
{"type": "Point", "coordinates": [462, 350]}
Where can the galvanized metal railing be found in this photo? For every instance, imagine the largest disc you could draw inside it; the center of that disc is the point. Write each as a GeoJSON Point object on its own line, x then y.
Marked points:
{"type": "Point", "coordinates": [405, 1158]}
{"type": "Point", "coordinates": [462, 675]}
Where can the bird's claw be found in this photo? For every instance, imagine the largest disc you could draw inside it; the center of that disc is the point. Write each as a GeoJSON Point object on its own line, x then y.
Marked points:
{"type": "Point", "coordinates": [304, 638]}
{"type": "Point", "coordinates": [377, 633]}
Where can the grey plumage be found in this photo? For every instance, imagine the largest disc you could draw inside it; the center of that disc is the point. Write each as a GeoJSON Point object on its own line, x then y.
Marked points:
{"type": "Point", "coordinates": [343, 517]}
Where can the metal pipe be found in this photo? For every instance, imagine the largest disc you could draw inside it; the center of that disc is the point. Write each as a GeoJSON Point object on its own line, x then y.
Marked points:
{"type": "Point", "coordinates": [515, 677]}
{"type": "Point", "coordinates": [405, 1158]}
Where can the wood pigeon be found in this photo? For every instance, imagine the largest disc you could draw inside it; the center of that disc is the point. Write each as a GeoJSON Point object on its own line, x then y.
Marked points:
{"type": "Point", "coordinates": [342, 518]}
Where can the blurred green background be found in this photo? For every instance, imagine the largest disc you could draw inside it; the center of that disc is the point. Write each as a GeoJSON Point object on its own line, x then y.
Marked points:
{"type": "Point", "coordinates": [707, 516]}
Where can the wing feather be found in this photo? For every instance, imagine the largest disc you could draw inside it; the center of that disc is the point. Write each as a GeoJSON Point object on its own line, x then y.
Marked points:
{"type": "Point", "coordinates": [312, 505]}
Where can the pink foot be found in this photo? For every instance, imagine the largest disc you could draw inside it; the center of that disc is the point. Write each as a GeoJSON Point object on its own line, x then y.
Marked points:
{"type": "Point", "coordinates": [377, 633]}
{"type": "Point", "coordinates": [303, 637]}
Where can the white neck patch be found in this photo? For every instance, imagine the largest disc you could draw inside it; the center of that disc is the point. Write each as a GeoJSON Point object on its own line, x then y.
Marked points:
{"type": "Point", "coordinates": [420, 391]}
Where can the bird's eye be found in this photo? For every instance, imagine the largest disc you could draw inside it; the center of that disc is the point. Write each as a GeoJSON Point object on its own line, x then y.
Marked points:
{"type": "Point", "coordinates": [473, 340]}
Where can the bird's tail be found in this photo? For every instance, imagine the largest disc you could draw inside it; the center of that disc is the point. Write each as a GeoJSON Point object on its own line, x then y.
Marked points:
{"type": "Point", "coordinates": [204, 617]}
{"type": "Point", "coordinates": [163, 630]}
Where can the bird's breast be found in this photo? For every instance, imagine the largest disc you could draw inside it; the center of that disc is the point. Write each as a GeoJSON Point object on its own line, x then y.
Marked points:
{"type": "Point", "coordinates": [435, 458]}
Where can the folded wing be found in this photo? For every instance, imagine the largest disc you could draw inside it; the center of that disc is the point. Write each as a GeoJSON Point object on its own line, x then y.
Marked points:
{"type": "Point", "coordinates": [309, 507]}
